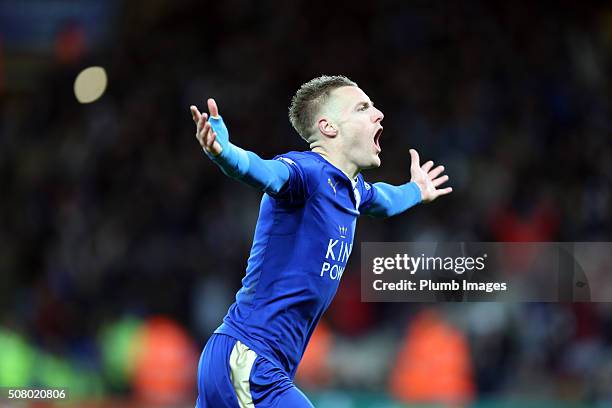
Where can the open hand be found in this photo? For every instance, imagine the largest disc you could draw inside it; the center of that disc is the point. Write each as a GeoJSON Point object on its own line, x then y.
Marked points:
{"type": "Point", "coordinates": [427, 179]}
{"type": "Point", "coordinates": [204, 131]}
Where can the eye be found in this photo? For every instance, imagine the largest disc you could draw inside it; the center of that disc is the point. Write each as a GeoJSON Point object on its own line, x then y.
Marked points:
{"type": "Point", "coordinates": [364, 107]}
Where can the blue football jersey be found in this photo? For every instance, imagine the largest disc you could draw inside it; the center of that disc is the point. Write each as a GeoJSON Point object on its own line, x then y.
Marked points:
{"type": "Point", "coordinates": [303, 239]}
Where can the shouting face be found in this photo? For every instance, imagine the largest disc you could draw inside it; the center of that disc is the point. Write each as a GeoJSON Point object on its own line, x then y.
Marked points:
{"type": "Point", "coordinates": [357, 125]}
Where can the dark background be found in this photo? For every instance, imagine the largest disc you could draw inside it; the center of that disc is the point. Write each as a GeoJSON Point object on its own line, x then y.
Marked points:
{"type": "Point", "coordinates": [110, 209]}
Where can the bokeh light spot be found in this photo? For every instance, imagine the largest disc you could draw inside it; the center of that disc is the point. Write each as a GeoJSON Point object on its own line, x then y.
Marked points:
{"type": "Point", "coordinates": [90, 84]}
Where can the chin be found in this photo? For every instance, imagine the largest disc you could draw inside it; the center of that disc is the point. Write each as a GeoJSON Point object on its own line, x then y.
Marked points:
{"type": "Point", "coordinates": [374, 163]}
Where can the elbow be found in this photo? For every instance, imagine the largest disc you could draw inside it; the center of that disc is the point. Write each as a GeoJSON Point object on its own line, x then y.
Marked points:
{"type": "Point", "coordinates": [389, 209]}
{"type": "Point", "coordinates": [387, 214]}
{"type": "Point", "coordinates": [382, 211]}
{"type": "Point", "coordinates": [274, 186]}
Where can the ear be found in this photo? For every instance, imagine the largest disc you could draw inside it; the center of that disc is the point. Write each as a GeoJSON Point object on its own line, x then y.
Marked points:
{"type": "Point", "coordinates": [327, 128]}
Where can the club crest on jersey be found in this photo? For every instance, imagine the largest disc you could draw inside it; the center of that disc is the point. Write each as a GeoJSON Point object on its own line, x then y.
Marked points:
{"type": "Point", "coordinates": [332, 185]}
{"type": "Point", "coordinates": [342, 229]}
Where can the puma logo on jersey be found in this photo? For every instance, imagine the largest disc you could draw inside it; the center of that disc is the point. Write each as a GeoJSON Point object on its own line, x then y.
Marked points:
{"type": "Point", "coordinates": [333, 186]}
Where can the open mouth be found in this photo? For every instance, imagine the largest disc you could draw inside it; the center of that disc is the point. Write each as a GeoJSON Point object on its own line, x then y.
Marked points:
{"type": "Point", "coordinates": [377, 139]}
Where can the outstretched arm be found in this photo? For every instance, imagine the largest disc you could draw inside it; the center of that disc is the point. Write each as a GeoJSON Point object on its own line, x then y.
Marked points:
{"type": "Point", "coordinates": [266, 175]}
{"type": "Point", "coordinates": [423, 187]}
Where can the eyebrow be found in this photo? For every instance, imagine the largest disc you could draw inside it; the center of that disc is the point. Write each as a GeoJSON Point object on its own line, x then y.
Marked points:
{"type": "Point", "coordinates": [362, 103]}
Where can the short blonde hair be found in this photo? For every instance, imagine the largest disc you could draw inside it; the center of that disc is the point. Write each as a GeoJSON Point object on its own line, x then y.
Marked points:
{"type": "Point", "coordinates": [308, 100]}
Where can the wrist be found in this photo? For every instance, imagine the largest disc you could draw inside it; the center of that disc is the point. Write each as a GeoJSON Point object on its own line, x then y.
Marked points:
{"type": "Point", "coordinates": [232, 159]}
{"type": "Point", "coordinates": [212, 154]}
{"type": "Point", "coordinates": [417, 189]}
{"type": "Point", "coordinates": [225, 154]}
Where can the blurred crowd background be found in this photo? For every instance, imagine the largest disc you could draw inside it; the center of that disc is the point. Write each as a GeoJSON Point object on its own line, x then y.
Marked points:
{"type": "Point", "coordinates": [121, 245]}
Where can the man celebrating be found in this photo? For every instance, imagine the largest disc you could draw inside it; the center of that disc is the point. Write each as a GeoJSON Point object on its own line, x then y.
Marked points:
{"type": "Point", "coordinates": [303, 238]}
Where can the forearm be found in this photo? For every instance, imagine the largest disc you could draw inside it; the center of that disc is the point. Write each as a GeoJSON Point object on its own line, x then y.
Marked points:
{"type": "Point", "coordinates": [266, 175]}
{"type": "Point", "coordinates": [246, 166]}
{"type": "Point", "coordinates": [392, 200]}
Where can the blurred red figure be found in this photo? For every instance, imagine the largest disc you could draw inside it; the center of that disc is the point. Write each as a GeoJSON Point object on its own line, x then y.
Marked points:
{"type": "Point", "coordinates": [538, 225]}
{"type": "Point", "coordinates": [433, 364]}
{"type": "Point", "coordinates": [314, 371]}
{"type": "Point", "coordinates": [165, 362]}
{"type": "Point", "coordinates": [70, 44]}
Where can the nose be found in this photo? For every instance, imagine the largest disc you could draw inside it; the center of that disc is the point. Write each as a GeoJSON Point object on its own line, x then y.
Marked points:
{"type": "Point", "coordinates": [377, 116]}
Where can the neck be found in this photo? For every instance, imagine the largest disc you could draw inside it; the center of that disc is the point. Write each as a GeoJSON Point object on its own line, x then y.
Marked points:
{"type": "Point", "coordinates": [337, 159]}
